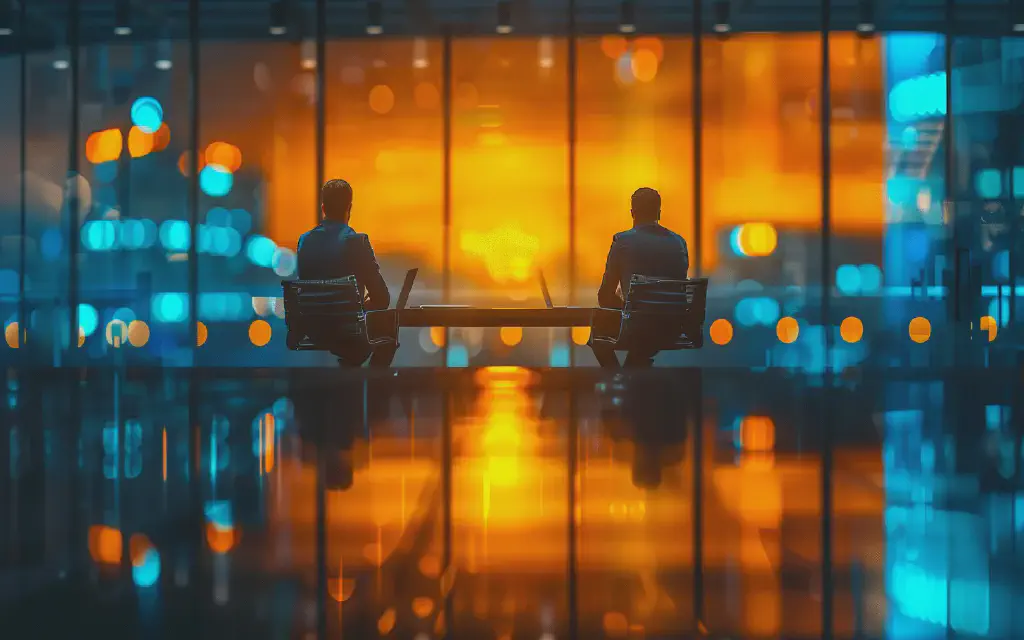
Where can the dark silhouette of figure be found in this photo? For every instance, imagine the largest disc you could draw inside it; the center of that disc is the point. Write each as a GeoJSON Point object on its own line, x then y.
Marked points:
{"type": "Point", "coordinates": [648, 249]}
{"type": "Point", "coordinates": [333, 249]}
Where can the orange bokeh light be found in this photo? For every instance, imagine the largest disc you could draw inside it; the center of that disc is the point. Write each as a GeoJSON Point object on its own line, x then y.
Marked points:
{"type": "Point", "coordinates": [644, 64]}
{"type": "Point", "coordinates": [580, 335]}
{"type": "Point", "coordinates": [104, 146]}
{"type": "Point", "coordinates": [757, 434]}
{"type": "Point", "coordinates": [851, 329]}
{"type": "Point", "coordinates": [140, 143]}
{"type": "Point", "coordinates": [260, 332]}
{"type": "Point", "coordinates": [422, 607]}
{"type": "Point", "coordinates": [721, 331]}
{"type": "Point", "coordinates": [613, 46]}
{"type": "Point", "coordinates": [185, 163]}
{"type": "Point", "coordinates": [988, 323]}
{"type": "Point", "coordinates": [220, 540]}
{"type": "Point", "coordinates": [105, 544]}
{"type": "Point", "coordinates": [652, 44]}
{"type": "Point", "coordinates": [511, 336]}
{"type": "Point", "coordinates": [920, 330]}
{"type": "Point", "coordinates": [138, 545]}
{"type": "Point", "coordinates": [162, 137]}
{"type": "Point", "coordinates": [225, 155]}
{"type": "Point", "coordinates": [788, 329]}
{"type": "Point", "coordinates": [201, 334]}
{"type": "Point", "coordinates": [382, 99]}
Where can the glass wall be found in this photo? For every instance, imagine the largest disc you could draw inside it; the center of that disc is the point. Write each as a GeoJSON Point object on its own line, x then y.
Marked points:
{"type": "Point", "coordinates": [469, 155]}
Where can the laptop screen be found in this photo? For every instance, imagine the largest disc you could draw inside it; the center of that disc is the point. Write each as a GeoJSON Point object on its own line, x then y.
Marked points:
{"type": "Point", "coordinates": [403, 296]}
{"type": "Point", "coordinates": [544, 290]}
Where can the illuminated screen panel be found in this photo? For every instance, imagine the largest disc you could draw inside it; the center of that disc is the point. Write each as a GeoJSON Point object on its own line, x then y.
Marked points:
{"type": "Point", "coordinates": [509, 170]}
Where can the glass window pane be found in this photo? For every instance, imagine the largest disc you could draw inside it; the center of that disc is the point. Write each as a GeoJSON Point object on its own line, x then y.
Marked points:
{"type": "Point", "coordinates": [385, 136]}
{"type": "Point", "coordinates": [509, 188]}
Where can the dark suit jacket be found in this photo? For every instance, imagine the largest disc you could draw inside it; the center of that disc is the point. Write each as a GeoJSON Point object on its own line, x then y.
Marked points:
{"type": "Point", "coordinates": [647, 250]}
{"type": "Point", "coordinates": [335, 250]}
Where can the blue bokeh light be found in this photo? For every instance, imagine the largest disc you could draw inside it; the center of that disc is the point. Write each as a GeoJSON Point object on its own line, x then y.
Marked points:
{"type": "Point", "coordinates": [909, 137]}
{"type": "Point", "coordinates": [260, 251]}
{"type": "Point", "coordinates": [88, 318]}
{"type": "Point", "coordinates": [175, 235]}
{"type": "Point", "coordinates": [100, 235]}
{"type": "Point", "coordinates": [147, 572]}
{"type": "Point", "coordinates": [848, 279]}
{"type": "Point", "coordinates": [218, 513]}
{"type": "Point", "coordinates": [458, 356]}
{"type": "Point", "coordinates": [870, 278]}
{"type": "Point", "coordinates": [170, 307]}
{"type": "Point", "coordinates": [988, 183]}
{"type": "Point", "coordinates": [757, 311]}
{"type": "Point", "coordinates": [734, 242]}
{"type": "Point", "coordinates": [919, 97]}
{"type": "Point", "coordinates": [147, 114]}
{"type": "Point", "coordinates": [218, 217]}
{"type": "Point", "coordinates": [133, 234]}
{"type": "Point", "coordinates": [216, 181]}
{"type": "Point", "coordinates": [1018, 182]}
{"type": "Point", "coordinates": [559, 356]}
{"type": "Point", "coordinates": [999, 308]}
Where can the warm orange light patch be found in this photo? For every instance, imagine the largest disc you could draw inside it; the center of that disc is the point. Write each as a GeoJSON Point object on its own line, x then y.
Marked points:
{"type": "Point", "coordinates": [437, 336]}
{"type": "Point", "coordinates": [508, 253]}
{"type": "Point", "coordinates": [105, 544]}
{"type": "Point", "coordinates": [511, 336]}
{"type": "Point", "coordinates": [580, 335]}
{"type": "Point", "coordinates": [201, 334]}
{"type": "Point", "coordinates": [138, 545]}
{"type": "Point", "coordinates": [140, 143]}
{"type": "Point", "coordinates": [341, 589]}
{"type": "Point", "coordinates": [260, 332]}
{"type": "Point", "coordinates": [787, 329]}
{"type": "Point", "coordinates": [104, 146]}
{"type": "Point", "coordinates": [185, 163]}
{"type": "Point", "coordinates": [162, 137]}
{"type": "Point", "coordinates": [721, 331]}
{"type": "Point", "coordinates": [11, 335]}
{"type": "Point", "coordinates": [613, 46]}
{"type": "Point", "coordinates": [220, 540]}
{"type": "Point", "coordinates": [851, 329]}
{"type": "Point", "coordinates": [920, 330]}
{"type": "Point", "coordinates": [757, 434]}
{"type": "Point", "coordinates": [652, 44]}
{"type": "Point", "coordinates": [386, 623]}
{"type": "Point", "coordinates": [988, 323]}
{"type": "Point", "coordinates": [422, 607]}
{"type": "Point", "coordinates": [382, 99]}
{"type": "Point", "coordinates": [644, 64]}
{"type": "Point", "coordinates": [226, 155]}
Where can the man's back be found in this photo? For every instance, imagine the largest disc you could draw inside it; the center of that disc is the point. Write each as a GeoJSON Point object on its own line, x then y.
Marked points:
{"type": "Point", "coordinates": [335, 250]}
{"type": "Point", "coordinates": [646, 249]}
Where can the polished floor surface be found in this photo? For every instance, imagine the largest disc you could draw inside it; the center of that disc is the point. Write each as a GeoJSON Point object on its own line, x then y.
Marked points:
{"type": "Point", "coordinates": [508, 503]}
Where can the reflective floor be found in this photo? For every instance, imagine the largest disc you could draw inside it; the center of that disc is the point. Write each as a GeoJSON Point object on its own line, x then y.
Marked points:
{"type": "Point", "coordinates": [508, 503]}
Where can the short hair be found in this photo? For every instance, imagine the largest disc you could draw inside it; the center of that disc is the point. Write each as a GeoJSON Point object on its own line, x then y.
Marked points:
{"type": "Point", "coordinates": [646, 203]}
{"type": "Point", "coordinates": [336, 198]}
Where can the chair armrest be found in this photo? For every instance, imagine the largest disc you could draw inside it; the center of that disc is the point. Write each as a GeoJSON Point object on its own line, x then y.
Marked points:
{"type": "Point", "coordinates": [382, 324]}
{"type": "Point", "coordinates": [605, 322]}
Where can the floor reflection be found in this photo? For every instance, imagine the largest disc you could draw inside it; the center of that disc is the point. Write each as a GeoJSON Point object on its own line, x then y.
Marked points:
{"type": "Point", "coordinates": [509, 503]}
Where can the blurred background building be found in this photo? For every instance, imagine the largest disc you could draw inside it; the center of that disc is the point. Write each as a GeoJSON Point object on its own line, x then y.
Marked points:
{"type": "Point", "coordinates": [848, 173]}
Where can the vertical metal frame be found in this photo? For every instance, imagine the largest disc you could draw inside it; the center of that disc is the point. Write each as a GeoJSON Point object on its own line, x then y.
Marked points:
{"type": "Point", "coordinates": [697, 256]}
{"type": "Point", "coordinates": [825, 91]}
{"type": "Point", "coordinates": [572, 65]}
{"type": "Point", "coordinates": [951, 189]}
{"type": "Point", "coordinates": [71, 189]}
{"type": "Point", "coordinates": [321, 458]}
{"type": "Point", "coordinates": [193, 180]}
{"type": "Point", "coordinates": [22, 165]}
{"type": "Point", "coordinates": [446, 177]}
{"type": "Point", "coordinates": [697, 36]}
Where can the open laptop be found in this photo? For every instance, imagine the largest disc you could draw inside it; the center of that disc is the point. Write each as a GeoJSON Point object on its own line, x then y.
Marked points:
{"type": "Point", "coordinates": [403, 296]}
{"type": "Point", "coordinates": [544, 290]}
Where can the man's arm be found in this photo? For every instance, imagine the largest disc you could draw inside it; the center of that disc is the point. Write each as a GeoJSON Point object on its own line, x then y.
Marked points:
{"type": "Point", "coordinates": [607, 295]}
{"type": "Point", "coordinates": [686, 259]}
{"type": "Point", "coordinates": [368, 275]}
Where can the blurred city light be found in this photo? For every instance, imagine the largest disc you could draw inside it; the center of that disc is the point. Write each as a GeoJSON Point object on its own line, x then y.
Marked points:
{"type": "Point", "coordinates": [920, 97]}
{"type": "Point", "coordinates": [175, 235]}
{"type": "Point", "coordinates": [260, 250]}
{"type": "Point", "coordinates": [215, 181]}
{"type": "Point", "coordinates": [147, 114]}
{"type": "Point", "coordinates": [88, 318]}
{"type": "Point", "coordinates": [104, 146]}
{"type": "Point", "coordinates": [170, 307]}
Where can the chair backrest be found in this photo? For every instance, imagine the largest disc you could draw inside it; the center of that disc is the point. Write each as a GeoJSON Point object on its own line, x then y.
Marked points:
{"type": "Point", "coordinates": [320, 314]}
{"type": "Point", "coordinates": [668, 313]}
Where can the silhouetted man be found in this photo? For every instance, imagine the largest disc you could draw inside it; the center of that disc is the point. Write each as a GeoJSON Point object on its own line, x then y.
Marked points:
{"type": "Point", "coordinates": [648, 249]}
{"type": "Point", "coordinates": [333, 249]}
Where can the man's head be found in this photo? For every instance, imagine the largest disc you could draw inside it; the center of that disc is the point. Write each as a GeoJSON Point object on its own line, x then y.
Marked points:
{"type": "Point", "coordinates": [646, 206]}
{"type": "Point", "coordinates": [336, 200]}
